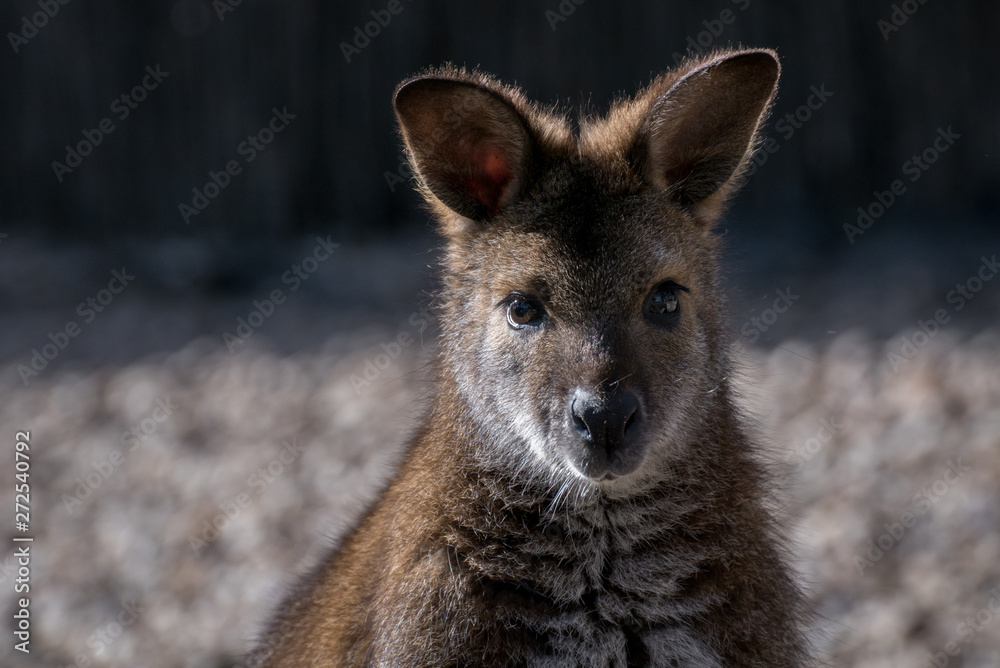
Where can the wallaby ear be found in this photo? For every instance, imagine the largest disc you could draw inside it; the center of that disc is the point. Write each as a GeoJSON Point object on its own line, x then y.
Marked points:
{"type": "Point", "coordinates": [468, 144]}
{"type": "Point", "coordinates": [700, 133]}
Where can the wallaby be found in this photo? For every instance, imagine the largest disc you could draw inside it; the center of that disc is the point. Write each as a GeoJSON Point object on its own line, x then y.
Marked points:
{"type": "Point", "coordinates": [582, 491]}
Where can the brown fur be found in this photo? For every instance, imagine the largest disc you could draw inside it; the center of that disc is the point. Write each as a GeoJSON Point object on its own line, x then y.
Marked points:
{"type": "Point", "coordinates": [508, 537]}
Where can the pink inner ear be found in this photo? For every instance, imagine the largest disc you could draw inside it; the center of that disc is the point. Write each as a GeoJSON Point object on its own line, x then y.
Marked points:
{"type": "Point", "coordinates": [491, 173]}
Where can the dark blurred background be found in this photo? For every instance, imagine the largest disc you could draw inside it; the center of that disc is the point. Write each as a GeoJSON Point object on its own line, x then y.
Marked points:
{"type": "Point", "coordinates": [229, 67]}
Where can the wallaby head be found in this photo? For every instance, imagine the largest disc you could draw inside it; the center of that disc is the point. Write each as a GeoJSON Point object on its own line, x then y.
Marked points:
{"type": "Point", "coordinates": [581, 309]}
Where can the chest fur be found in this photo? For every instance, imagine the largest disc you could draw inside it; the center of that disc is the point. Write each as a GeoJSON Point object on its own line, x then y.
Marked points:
{"type": "Point", "coordinates": [602, 587]}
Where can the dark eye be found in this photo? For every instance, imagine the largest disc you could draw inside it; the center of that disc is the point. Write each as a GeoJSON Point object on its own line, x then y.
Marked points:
{"type": "Point", "coordinates": [663, 303]}
{"type": "Point", "coordinates": [522, 312]}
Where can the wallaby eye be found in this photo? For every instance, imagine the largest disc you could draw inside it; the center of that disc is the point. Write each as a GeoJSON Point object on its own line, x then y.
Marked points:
{"type": "Point", "coordinates": [663, 303]}
{"type": "Point", "coordinates": [523, 312]}
{"type": "Point", "coordinates": [663, 300]}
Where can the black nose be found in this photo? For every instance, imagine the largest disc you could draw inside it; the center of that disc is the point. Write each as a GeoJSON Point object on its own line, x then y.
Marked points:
{"type": "Point", "coordinates": [605, 421]}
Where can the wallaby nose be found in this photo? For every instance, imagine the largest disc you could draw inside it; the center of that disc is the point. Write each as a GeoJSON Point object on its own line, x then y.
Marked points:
{"type": "Point", "coordinates": [606, 422]}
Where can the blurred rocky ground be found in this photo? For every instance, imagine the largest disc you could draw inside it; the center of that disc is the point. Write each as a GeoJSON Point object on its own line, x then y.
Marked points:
{"type": "Point", "coordinates": [178, 485]}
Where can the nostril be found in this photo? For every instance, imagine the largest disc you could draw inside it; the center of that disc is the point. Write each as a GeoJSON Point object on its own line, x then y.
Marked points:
{"type": "Point", "coordinates": [629, 410]}
{"type": "Point", "coordinates": [630, 421]}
